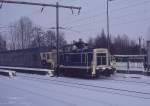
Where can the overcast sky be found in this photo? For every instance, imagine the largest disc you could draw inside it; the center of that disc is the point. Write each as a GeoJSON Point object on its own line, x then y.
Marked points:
{"type": "Point", "coordinates": [131, 17]}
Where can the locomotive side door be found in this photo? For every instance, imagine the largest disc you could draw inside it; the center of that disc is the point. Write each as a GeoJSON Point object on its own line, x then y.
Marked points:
{"type": "Point", "coordinates": [94, 63]}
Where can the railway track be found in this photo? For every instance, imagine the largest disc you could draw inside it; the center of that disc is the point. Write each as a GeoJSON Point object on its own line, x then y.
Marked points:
{"type": "Point", "coordinates": [39, 94]}
{"type": "Point", "coordinates": [139, 82]}
{"type": "Point", "coordinates": [132, 93]}
{"type": "Point", "coordinates": [98, 101]}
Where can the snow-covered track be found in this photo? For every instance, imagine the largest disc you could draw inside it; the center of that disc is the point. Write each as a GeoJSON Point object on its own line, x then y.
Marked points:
{"type": "Point", "coordinates": [39, 94]}
{"type": "Point", "coordinates": [135, 79]}
{"type": "Point", "coordinates": [97, 88]}
{"type": "Point", "coordinates": [131, 81]}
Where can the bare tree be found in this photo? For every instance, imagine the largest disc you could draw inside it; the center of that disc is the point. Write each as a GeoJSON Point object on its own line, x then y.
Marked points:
{"type": "Point", "coordinates": [2, 43]}
{"type": "Point", "coordinates": [21, 32]}
{"type": "Point", "coordinates": [101, 40]}
{"type": "Point", "coordinates": [50, 39]}
{"type": "Point", "coordinates": [12, 44]}
{"type": "Point", "coordinates": [24, 34]}
{"type": "Point", "coordinates": [37, 39]}
{"type": "Point", "coordinates": [120, 44]}
{"type": "Point", "coordinates": [91, 42]}
{"type": "Point", "coordinates": [62, 40]}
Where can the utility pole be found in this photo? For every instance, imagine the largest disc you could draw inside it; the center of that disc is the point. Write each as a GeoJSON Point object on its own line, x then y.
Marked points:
{"type": "Point", "coordinates": [108, 36]}
{"type": "Point", "coordinates": [57, 6]}
{"type": "Point", "coordinates": [108, 33]}
{"type": "Point", "coordinates": [108, 45]}
{"type": "Point", "coordinates": [57, 32]}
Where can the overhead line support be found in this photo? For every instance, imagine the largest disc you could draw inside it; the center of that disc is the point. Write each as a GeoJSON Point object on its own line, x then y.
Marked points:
{"type": "Point", "coordinates": [38, 4]}
{"type": "Point", "coordinates": [57, 6]}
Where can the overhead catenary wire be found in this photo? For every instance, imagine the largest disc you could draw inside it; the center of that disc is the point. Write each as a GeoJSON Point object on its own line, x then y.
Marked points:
{"type": "Point", "coordinates": [98, 20]}
{"type": "Point", "coordinates": [111, 24]}
{"type": "Point", "coordinates": [117, 25]}
{"type": "Point", "coordinates": [113, 10]}
{"type": "Point", "coordinates": [112, 18]}
{"type": "Point", "coordinates": [133, 21]}
{"type": "Point", "coordinates": [114, 25]}
{"type": "Point", "coordinates": [90, 17]}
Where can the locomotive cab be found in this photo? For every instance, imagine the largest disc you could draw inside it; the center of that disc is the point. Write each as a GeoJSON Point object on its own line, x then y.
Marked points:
{"type": "Point", "coordinates": [101, 63]}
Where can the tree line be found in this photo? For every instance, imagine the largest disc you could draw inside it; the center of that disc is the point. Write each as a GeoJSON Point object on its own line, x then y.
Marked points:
{"type": "Point", "coordinates": [25, 34]}
{"type": "Point", "coordinates": [121, 44]}
{"type": "Point", "coordinates": [2, 43]}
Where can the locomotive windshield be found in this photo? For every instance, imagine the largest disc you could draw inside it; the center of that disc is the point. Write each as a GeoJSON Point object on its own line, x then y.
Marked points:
{"type": "Point", "coordinates": [101, 59]}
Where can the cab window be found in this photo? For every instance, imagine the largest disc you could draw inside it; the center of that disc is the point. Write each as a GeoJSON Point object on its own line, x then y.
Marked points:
{"type": "Point", "coordinates": [44, 55]}
{"type": "Point", "coordinates": [101, 59]}
{"type": "Point", "coordinates": [48, 56]}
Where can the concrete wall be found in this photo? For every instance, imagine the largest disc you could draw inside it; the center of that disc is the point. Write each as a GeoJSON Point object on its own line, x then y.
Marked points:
{"type": "Point", "coordinates": [23, 58]}
{"type": "Point", "coordinates": [2, 45]}
{"type": "Point", "coordinates": [148, 51]}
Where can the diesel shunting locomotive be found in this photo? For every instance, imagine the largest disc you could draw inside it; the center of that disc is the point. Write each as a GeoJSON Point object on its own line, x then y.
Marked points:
{"type": "Point", "coordinates": [79, 60]}
{"type": "Point", "coordinates": [74, 60]}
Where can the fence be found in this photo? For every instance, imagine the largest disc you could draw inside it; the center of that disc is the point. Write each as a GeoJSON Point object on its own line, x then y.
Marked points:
{"type": "Point", "coordinates": [130, 63]}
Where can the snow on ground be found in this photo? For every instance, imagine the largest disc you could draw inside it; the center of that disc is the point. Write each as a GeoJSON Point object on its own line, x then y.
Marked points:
{"type": "Point", "coordinates": [36, 90]}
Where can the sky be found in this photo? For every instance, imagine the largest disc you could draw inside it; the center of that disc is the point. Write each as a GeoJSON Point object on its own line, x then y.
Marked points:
{"type": "Point", "coordinates": [130, 17]}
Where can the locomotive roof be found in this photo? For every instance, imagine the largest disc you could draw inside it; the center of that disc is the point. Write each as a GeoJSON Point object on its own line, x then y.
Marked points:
{"type": "Point", "coordinates": [78, 51]}
{"type": "Point", "coordinates": [83, 50]}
